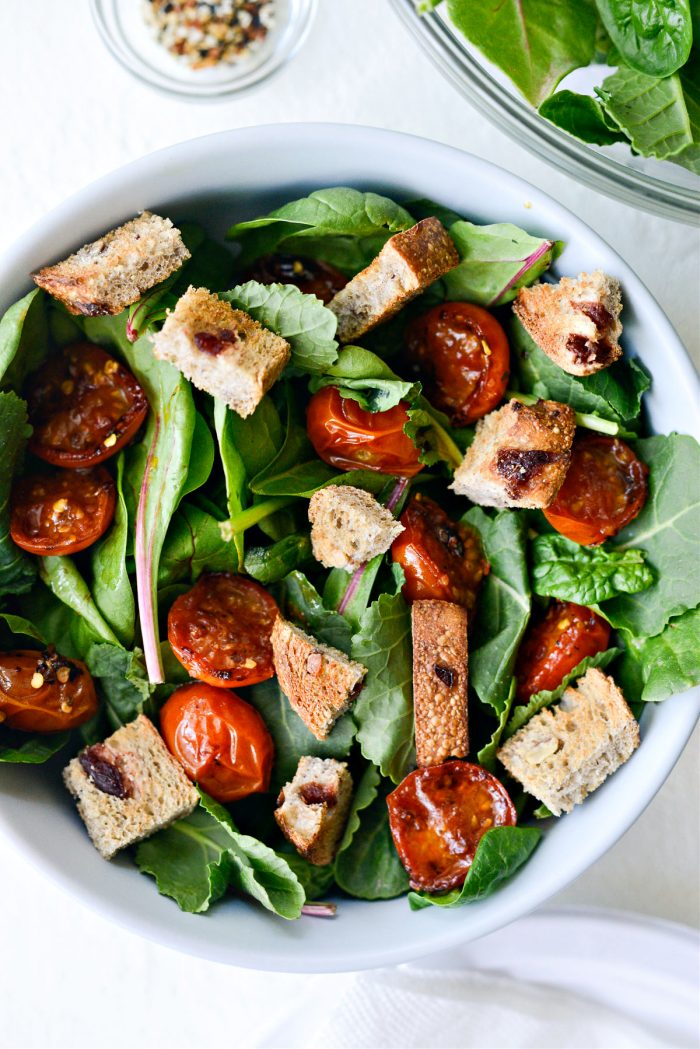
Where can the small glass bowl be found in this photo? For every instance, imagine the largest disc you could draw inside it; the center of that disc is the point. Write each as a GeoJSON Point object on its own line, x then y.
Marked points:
{"type": "Point", "coordinates": [129, 38]}
{"type": "Point", "coordinates": [654, 185]}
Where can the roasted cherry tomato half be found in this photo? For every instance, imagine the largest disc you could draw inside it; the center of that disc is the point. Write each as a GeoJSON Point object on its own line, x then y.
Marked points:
{"type": "Point", "coordinates": [43, 692]}
{"type": "Point", "coordinates": [220, 630]}
{"type": "Point", "coordinates": [350, 438]}
{"type": "Point", "coordinates": [604, 489]}
{"type": "Point", "coordinates": [437, 817]}
{"type": "Point", "coordinates": [460, 353]}
{"type": "Point", "coordinates": [84, 406]}
{"type": "Point", "coordinates": [61, 513]}
{"type": "Point", "coordinates": [220, 741]}
{"type": "Point", "coordinates": [442, 559]}
{"type": "Point", "coordinates": [311, 276]}
{"type": "Point", "coordinates": [556, 644]}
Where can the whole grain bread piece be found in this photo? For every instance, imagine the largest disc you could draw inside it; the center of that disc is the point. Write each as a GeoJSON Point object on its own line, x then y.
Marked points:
{"type": "Point", "coordinates": [565, 752]}
{"type": "Point", "coordinates": [575, 322]}
{"type": "Point", "coordinates": [313, 809]}
{"type": "Point", "coordinates": [221, 350]}
{"type": "Point", "coordinates": [128, 787]}
{"type": "Point", "coordinates": [440, 667]}
{"type": "Point", "coordinates": [349, 527]}
{"type": "Point", "coordinates": [519, 456]}
{"type": "Point", "coordinates": [111, 273]}
{"type": "Point", "coordinates": [320, 682]}
{"type": "Point", "coordinates": [408, 263]}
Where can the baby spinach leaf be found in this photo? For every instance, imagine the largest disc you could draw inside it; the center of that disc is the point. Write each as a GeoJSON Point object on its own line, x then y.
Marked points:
{"type": "Point", "coordinates": [384, 709]}
{"type": "Point", "coordinates": [123, 682]}
{"type": "Point", "coordinates": [63, 579]}
{"type": "Point", "coordinates": [269, 564]}
{"type": "Point", "coordinates": [503, 607]}
{"type": "Point", "coordinates": [652, 113]}
{"type": "Point", "coordinates": [368, 867]}
{"type": "Point", "coordinates": [301, 602]}
{"type": "Point", "coordinates": [234, 471]}
{"type": "Point", "coordinates": [524, 711]}
{"type": "Point", "coordinates": [668, 531]}
{"type": "Point", "coordinates": [22, 748]}
{"type": "Point", "coordinates": [315, 881]}
{"type": "Point", "coordinates": [496, 261]}
{"type": "Point", "coordinates": [259, 438]}
{"type": "Point", "coordinates": [337, 212]}
{"type": "Point", "coordinates": [365, 793]}
{"type": "Point", "coordinates": [582, 116]}
{"type": "Point", "coordinates": [586, 574]}
{"type": "Point", "coordinates": [499, 854]}
{"type": "Point", "coordinates": [202, 456]}
{"type": "Point", "coordinates": [111, 586]}
{"type": "Point", "coordinates": [652, 36]}
{"type": "Point", "coordinates": [21, 625]}
{"type": "Point", "coordinates": [301, 319]}
{"type": "Point", "coordinates": [365, 378]}
{"type": "Point", "coordinates": [195, 542]}
{"type": "Point", "coordinates": [487, 755]}
{"type": "Point", "coordinates": [290, 735]}
{"type": "Point", "coordinates": [535, 42]}
{"type": "Point", "coordinates": [24, 339]}
{"type": "Point", "coordinates": [653, 668]}
{"type": "Point", "coordinates": [17, 572]}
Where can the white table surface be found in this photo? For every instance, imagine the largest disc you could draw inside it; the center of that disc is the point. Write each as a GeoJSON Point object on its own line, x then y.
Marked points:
{"type": "Point", "coordinates": [69, 114]}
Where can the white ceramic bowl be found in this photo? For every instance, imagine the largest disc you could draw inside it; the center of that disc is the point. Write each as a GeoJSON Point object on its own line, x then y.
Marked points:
{"type": "Point", "coordinates": [236, 175]}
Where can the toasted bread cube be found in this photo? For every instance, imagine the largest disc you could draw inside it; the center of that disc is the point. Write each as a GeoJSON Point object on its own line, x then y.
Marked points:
{"type": "Point", "coordinates": [221, 350]}
{"type": "Point", "coordinates": [111, 273]}
{"type": "Point", "coordinates": [519, 456]}
{"type": "Point", "coordinates": [408, 263]}
{"type": "Point", "coordinates": [575, 322]}
{"type": "Point", "coordinates": [128, 787]}
{"type": "Point", "coordinates": [319, 681]}
{"type": "Point", "coordinates": [349, 527]}
{"type": "Point", "coordinates": [564, 753]}
{"type": "Point", "coordinates": [440, 681]}
{"type": "Point", "coordinates": [313, 809]}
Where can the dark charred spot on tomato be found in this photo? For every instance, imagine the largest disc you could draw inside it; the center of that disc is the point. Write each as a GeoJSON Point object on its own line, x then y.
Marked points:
{"type": "Point", "coordinates": [102, 768]}
{"type": "Point", "coordinates": [53, 667]}
{"type": "Point", "coordinates": [520, 467]}
{"type": "Point", "coordinates": [445, 674]}
{"type": "Point", "coordinates": [317, 794]}
{"type": "Point", "coordinates": [215, 343]}
{"type": "Point", "coordinates": [596, 312]}
{"type": "Point", "coordinates": [450, 539]}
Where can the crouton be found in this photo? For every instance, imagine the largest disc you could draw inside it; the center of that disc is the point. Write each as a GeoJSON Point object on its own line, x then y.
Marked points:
{"type": "Point", "coordinates": [128, 787]}
{"type": "Point", "coordinates": [313, 809]}
{"type": "Point", "coordinates": [440, 681]}
{"type": "Point", "coordinates": [519, 456]}
{"type": "Point", "coordinates": [575, 322]}
{"type": "Point", "coordinates": [319, 681]}
{"type": "Point", "coordinates": [111, 273]}
{"type": "Point", "coordinates": [349, 527]}
{"type": "Point", "coordinates": [564, 753]}
{"type": "Point", "coordinates": [408, 263]}
{"type": "Point", "coordinates": [221, 350]}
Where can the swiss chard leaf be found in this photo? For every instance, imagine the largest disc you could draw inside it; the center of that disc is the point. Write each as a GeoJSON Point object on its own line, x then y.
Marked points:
{"type": "Point", "coordinates": [495, 262]}
{"type": "Point", "coordinates": [22, 748]}
{"type": "Point", "coordinates": [501, 851]}
{"type": "Point", "coordinates": [653, 668]}
{"type": "Point", "coordinates": [651, 112]}
{"type": "Point", "coordinates": [368, 867]}
{"type": "Point", "coordinates": [586, 574]}
{"type": "Point", "coordinates": [365, 378]}
{"type": "Point", "coordinates": [111, 586]}
{"type": "Point", "coordinates": [582, 116]}
{"type": "Point", "coordinates": [652, 36]}
{"type": "Point", "coordinates": [17, 572]}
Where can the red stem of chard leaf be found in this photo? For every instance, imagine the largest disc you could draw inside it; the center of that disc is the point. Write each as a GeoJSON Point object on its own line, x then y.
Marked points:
{"type": "Point", "coordinates": [320, 910]}
{"type": "Point", "coordinates": [143, 556]}
{"type": "Point", "coordinates": [391, 504]}
{"type": "Point", "coordinates": [544, 247]}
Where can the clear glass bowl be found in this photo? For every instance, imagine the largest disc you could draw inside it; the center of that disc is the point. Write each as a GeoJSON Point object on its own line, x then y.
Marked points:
{"type": "Point", "coordinates": [657, 186]}
{"type": "Point", "coordinates": [127, 36]}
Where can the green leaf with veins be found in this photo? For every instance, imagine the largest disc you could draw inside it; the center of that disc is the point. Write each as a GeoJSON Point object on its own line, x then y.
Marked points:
{"type": "Point", "coordinates": [17, 572]}
{"type": "Point", "coordinates": [487, 755]}
{"type": "Point", "coordinates": [315, 881]}
{"type": "Point", "coordinates": [582, 116]}
{"type": "Point", "coordinates": [365, 378]}
{"type": "Point", "coordinates": [62, 577]}
{"type": "Point", "coordinates": [22, 748]}
{"type": "Point", "coordinates": [651, 112]}
{"type": "Point", "coordinates": [194, 543]}
{"type": "Point", "coordinates": [652, 36]}
{"type": "Point", "coordinates": [301, 602]}
{"type": "Point", "coordinates": [495, 261]}
{"type": "Point", "coordinates": [586, 574]}
{"type": "Point", "coordinates": [122, 680]}
{"type": "Point", "coordinates": [24, 339]}
{"type": "Point", "coordinates": [653, 668]}
{"type": "Point", "coordinates": [269, 564]}
{"type": "Point", "coordinates": [367, 865]}
{"type": "Point", "coordinates": [364, 795]}
{"type": "Point", "coordinates": [690, 81]}
{"type": "Point", "coordinates": [234, 471]}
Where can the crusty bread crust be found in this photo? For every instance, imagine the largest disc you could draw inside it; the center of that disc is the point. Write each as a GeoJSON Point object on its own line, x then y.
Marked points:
{"type": "Point", "coordinates": [221, 350]}
{"type": "Point", "coordinates": [519, 456]}
{"type": "Point", "coordinates": [564, 753]}
{"type": "Point", "coordinates": [575, 322]}
{"type": "Point", "coordinates": [313, 809]}
{"type": "Point", "coordinates": [160, 791]}
{"type": "Point", "coordinates": [111, 273]}
{"type": "Point", "coordinates": [320, 682]}
{"type": "Point", "coordinates": [408, 263]}
{"type": "Point", "coordinates": [349, 527]}
{"type": "Point", "coordinates": [440, 681]}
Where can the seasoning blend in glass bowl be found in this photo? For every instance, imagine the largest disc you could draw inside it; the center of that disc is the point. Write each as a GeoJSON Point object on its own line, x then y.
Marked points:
{"type": "Point", "coordinates": [203, 51]}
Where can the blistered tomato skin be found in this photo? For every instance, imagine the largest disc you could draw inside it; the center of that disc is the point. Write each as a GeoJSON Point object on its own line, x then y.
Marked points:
{"type": "Point", "coordinates": [438, 816]}
{"type": "Point", "coordinates": [460, 352]}
{"type": "Point", "coordinates": [61, 513]}
{"type": "Point", "coordinates": [556, 644]}
{"type": "Point", "coordinates": [221, 741]}
{"type": "Point", "coordinates": [220, 630]}
{"type": "Point", "coordinates": [604, 489]}
{"type": "Point", "coordinates": [43, 692]}
{"type": "Point", "coordinates": [84, 406]}
{"type": "Point", "coordinates": [346, 436]}
{"type": "Point", "coordinates": [442, 560]}
{"type": "Point", "coordinates": [311, 276]}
